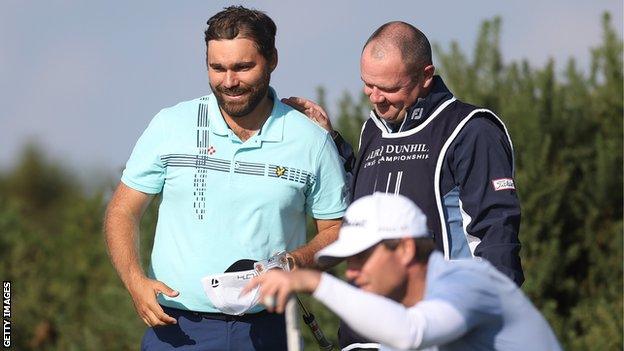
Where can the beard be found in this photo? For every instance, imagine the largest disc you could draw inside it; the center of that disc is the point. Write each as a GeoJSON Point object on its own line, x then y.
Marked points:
{"type": "Point", "coordinates": [254, 95]}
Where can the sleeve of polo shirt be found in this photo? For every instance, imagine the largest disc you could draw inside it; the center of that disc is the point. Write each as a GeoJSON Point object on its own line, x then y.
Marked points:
{"type": "Point", "coordinates": [144, 170]}
{"type": "Point", "coordinates": [327, 198]}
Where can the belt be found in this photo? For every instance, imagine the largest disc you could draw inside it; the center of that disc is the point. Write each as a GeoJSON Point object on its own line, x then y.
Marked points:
{"type": "Point", "coordinates": [221, 316]}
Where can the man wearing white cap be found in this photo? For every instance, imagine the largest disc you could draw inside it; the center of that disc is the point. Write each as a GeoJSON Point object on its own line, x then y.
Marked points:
{"type": "Point", "coordinates": [426, 301]}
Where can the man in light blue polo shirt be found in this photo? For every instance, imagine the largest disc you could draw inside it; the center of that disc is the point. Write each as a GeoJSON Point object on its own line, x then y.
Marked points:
{"type": "Point", "coordinates": [238, 172]}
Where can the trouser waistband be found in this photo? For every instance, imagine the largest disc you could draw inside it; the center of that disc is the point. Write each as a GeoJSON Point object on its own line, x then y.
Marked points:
{"type": "Point", "coordinates": [220, 316]}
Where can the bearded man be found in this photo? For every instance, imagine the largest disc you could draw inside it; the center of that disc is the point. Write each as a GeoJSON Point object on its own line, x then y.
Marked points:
{"type": "Point", "coordinates": [238, 172]}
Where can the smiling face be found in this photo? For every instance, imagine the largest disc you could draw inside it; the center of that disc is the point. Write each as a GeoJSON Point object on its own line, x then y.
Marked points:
{"type": "Point", "coordinates": [239, 75]}
{"type": "Point", "coordinates": [389, 85]}
{"type": "Point", "coordinates": [378, 270]}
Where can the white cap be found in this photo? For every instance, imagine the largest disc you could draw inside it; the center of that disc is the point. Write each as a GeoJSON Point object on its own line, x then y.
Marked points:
{"type": "Point", "coordinates": [372, 219]}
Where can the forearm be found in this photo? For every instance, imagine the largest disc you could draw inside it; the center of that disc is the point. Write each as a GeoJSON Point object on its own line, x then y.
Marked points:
{"type": "Point", "coordinates": [304, 256]}
{"type": "Point", "coordinates": [121, 231]}
{"type": "Point", "coordinates": [362, 312]}
{"type": "Point", "coordinates": [504, 256]}
{"type": "Point", "coordinates": [388, 322]}
{"type": "Point", "coordinates": [498, 228]}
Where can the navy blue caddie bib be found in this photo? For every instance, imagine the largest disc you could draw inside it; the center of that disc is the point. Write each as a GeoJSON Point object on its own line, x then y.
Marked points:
{"type": "Point", "coordinates": [409, 162]}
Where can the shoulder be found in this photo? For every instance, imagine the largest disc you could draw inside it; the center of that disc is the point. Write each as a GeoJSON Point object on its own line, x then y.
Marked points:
{"type": "Point", "coordinates": [182, 109]}
{"type": "Point", "coordinates": [485, 123]}
{"type": "Point", "coordinates": [298, 125]}
{"type": "Point", "coordinates": [468, 285]}
{"type": "Point", "coordinates": [469, 274]}
{"type": "Point", "coordinates": [482, 120]}
{"type": "Point", "coordinates": [484, 128]}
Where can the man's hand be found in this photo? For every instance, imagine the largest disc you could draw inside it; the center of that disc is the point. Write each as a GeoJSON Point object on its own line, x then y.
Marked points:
{"type": "Point", "coordinates": [311, 109]}
{"type": "Point", "coordinates": [277, 285]}
{"type": "Point", "coordinates": [121, 228]}
{"type": "Point", "coordinates": [143, 294]}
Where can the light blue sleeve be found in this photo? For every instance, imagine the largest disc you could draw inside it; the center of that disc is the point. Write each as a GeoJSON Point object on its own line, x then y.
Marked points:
{"type": "Point", "coordinates": [470, 293]}
{"type": "Point", "coordinates": [327, 199]}
{"type": "Point", "coordinates": [144, 170]}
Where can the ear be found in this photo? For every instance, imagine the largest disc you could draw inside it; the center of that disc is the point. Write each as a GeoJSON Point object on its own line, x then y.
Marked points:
{"type": "Point", "coordinates": [406, 251]}
{"type": "Point", "coordinates": [428, 73]}
{"type": "Point", "coordinates": [273, 63]}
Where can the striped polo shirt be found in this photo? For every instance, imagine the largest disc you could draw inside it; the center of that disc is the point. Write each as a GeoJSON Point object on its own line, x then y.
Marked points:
{"type": "Point", "coordinates": [224, 199]}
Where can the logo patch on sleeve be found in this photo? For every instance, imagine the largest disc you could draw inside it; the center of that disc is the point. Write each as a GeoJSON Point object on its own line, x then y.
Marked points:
{"type": "Point", "coordinates": [503, 184]}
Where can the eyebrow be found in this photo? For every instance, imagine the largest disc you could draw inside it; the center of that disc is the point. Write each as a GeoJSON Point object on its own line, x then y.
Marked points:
{"type": "Point", "coordinates": [381, 87]}
{"type": "Point", "coordinates": [377, 85]}
{"type": "Point", "coordinates": [236, 65]}
{"type": "Point", "coordinates": [244, 64]}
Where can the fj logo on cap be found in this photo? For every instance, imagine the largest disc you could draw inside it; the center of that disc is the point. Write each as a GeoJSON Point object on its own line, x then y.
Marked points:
{"type": "Point", "coordinates": [503, 184]}
{"type": "Point", "coordinates": [214, 283]}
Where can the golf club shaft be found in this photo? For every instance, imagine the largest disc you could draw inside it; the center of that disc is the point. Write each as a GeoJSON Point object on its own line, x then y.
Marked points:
{"type": "Point", "coordinates": [310, 320]}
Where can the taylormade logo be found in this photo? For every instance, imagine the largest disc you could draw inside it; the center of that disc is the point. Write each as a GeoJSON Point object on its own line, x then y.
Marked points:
{"type": "Point", "coordinates": [353, 223]}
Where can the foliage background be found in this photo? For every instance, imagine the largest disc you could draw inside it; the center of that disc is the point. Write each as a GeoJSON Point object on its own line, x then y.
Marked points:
{"type": "Point", "coordinates": [567, 131]}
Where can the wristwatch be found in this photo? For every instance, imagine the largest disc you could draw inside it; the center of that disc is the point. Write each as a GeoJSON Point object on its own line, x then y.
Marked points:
{"type": "Point", "coordinates": [291, 261]}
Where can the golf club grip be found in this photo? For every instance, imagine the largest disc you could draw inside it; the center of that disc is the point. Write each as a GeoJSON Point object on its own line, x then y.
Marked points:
{"type": "Point", "coordinates": [324, 344]}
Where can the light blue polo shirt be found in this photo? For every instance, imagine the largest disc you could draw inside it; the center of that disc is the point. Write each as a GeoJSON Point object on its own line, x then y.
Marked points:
{"type": "Point", "coordinates": [496, 313]}
{"type": "Point", "coordinates": [224, 200]}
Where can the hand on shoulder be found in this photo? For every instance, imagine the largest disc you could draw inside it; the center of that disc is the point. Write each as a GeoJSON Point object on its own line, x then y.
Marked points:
{"type": "Point", "coordinates": [311, 109]}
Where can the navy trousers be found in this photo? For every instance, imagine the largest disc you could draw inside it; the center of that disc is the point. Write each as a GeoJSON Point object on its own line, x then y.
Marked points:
{"type": "Point", "coordinates": [254, 332]}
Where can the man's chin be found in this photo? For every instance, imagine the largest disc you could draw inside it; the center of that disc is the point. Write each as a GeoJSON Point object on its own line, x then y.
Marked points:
{"type": "Point", "coordinates": [386, 115]}
{"type": "Point", "coordinates": [237, 113]}
{"type": "Point", "coordinates": [390, 119]}
{"type": "Point", "coordinates": [240, 105]}
{"type": "Point", "coordinates": [236, 109]}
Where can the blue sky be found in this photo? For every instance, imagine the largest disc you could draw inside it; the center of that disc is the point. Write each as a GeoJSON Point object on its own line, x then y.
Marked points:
{"type": "Point", "coordinates": [83, 79]}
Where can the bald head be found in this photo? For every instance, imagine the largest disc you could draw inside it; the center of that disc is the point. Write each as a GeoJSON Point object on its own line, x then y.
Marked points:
{"type": "Point", "coordinates": [410, 42]}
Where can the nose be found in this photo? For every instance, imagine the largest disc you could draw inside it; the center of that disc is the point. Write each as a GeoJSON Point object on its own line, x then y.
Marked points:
{"type": "Point", "coordinates": [351, 274]}
{"type": "Point", "coordinates": [353, 270]}
{"type": "Point", "coordinates": [375, 96]}
{"type": "Point", "coordinates": [231, 80]}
